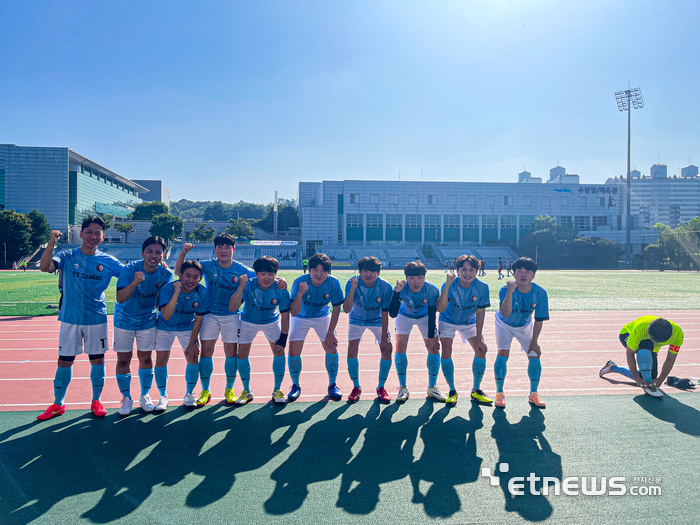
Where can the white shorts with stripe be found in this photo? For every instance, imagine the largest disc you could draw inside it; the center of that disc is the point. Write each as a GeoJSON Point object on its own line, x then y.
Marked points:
{"type": "Point", "coordinates": [505, 334]}
{"type": "Point", "coordinates": [403, 325]}
{"type": "Point", "coordinates": [74, 339]}
{"type": "Point", "coordinates": [465, 331]}
{"type": "Point", "coordinates": [227, 325]}
{"type": "Point", "coordinates": [248, 332]}
{"type": "Point", "coordinates": [355, 331]}
{"type": "Point", "coordinates": [165, 339]}
{"type": "Point", "coordinates": [145, 340]}
{"type": "Point", "coordinates": [299, 327]}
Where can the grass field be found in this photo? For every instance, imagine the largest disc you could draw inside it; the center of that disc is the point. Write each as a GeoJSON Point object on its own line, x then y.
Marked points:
{"type": "Point", "coordinates": [29, 293]}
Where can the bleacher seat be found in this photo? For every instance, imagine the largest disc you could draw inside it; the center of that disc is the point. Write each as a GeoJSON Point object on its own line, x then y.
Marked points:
{"type": "Point", "coordinates": [403, 253]}
{"type": "Point", "coordinates": [494, 253]}
{"type": "Point", "coordinates": [279, 252]}
{"type": "Point", "coordinates": [337, 254]}
{"type": "Point", "coordinates": [379, 253]}
{"type": "Point", "coordinates": [449, 253]}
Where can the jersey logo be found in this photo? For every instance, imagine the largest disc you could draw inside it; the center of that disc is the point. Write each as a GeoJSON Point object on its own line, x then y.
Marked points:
{"type": "Point", "coordinates": [533, 305]}
{"type": "Point", "coordinates": [326, 296]}
{"type": "Point", "coordinates": [158, 285]}
{"type": "Point", "coordinates": [474, 298]}
{"type": "Point", "coordinates": [377, 299]}
{"type": "Point", "coordinates": [195, 304]}
{"type": "Point", "coordinates": [273, 301]}
{"type": "Point", "coordinates": [234, 279]}
{"type": "Point", "coordinates": [100, 267]}
{"type": "Point", "coordinates": [424, 301]}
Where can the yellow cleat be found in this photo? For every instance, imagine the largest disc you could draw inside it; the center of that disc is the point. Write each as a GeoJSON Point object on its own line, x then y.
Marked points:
{"type": "Point", "coordinates": [230, 396]}
{"type": "Point", "coordinates": [204, 398]}
{"type": "Point", "coordinates": [452, 398]}
{"type": "Point", "coordinates": [480, 397]}
{"type": "Point", "coordinates": [244, 398]}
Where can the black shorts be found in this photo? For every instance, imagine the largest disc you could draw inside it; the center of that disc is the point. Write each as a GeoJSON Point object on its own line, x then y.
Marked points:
{"type": "Point", "coordinates": [645, 344]}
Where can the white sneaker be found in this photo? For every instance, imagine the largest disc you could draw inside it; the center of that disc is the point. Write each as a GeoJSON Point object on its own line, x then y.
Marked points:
{"type": "Point", "coordinates": [403, 395]}
{"type": "Point", "coordinates": [653, 391]}
{"type": "Point", "coordinates": [125, 408]}
{"type": "Point", "coordinates": [606, 368]}
{"type": "Point", "coordinates": [162, 404]}
{"type": "Point", "coordinates": [189, 401]}
{"type": "Point", "coordinates": [434, 391]}
{"type": "Point", "coordinates": [146, 403]}
{"type": "Point", "coordinates": [279, 397]}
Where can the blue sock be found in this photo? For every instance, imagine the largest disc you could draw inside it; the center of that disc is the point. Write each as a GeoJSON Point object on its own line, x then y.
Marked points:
{"type": "Point", "coordinates": [244, 369]}
{"type": "Point", "coordinates": [278, 369]}
{"type": "Point", "coordinates": [146, 378]}
{"type": "Point", "coordinates": [60, 384]}
{"type": "Point", "coordinates": [354, 371]}
{"type": "Point", "coordinates": [161, 373]}
{"type": "Point", "coordinates": [499, 370]}
{"type": "Point", "coordinates": [124, 384]}
{"type": "Point", "coordinates": [433, 369]}
{"type": "Point", "coordinates": [231, 369]}
{"type": "Point", "coordinates": [206, 367]}
{"type": "Point", "coordinates": [644, 361]}
{"type": "Point", "coordinates": [534, 369]}
{"type": "Point", "coordinates": [478, 369]}
{"type": "Point", "coordinates": [97, 376]}
{"type": "Point", "coordinates": [332, 367]}
{"type": "Point", "coordinates": [384, 367]}
{"type": "Point", "coordinates": [448, 370]}
{"type": "Point", "coordinates": [621, 370]}
{"type": "Point", "coordinates": [191, 376]}
{"type": "Point", "coordinates": [294, 368]}
{"type": "Point", "coordinates": [401, 362]}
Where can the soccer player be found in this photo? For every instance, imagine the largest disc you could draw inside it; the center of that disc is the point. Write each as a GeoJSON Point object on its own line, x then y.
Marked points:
{"type": "Point", "coordinates": [135, 320]}
{"type": "Point", "coordinates": [519, 300]}
{"type": "Point", "coordinates": [305, 264]}
{"type": "Point", "coordinates": [500, 268]}
{"type": "Point", "coordinates": [416, 305]}
{"type": "Point", "coordinates": [311, 295]}
{"type": "Point", "coordinates": [509, 267]}
{"type": "Point", "coordinates": [482, 267]}
{"type": "Point", "coordinates": [642, 339]}
{"type": "Point", "coordinates": [265, 306]}
{"type": "Point", "coordinates": [367, 300]}
{"type": "Point", "coordinates": [462, 306]}
{"type": "Point", "coordinates": [183, 305]}
{"type": "Point", "coordinates": [86, 273]}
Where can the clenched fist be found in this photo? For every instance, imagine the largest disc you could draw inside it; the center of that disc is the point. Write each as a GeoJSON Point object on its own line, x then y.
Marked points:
{"type": "Point", "coordinates": [139, 277]}
{"type": "Point", "coordinates": [187, 247]}
{"type": "Point", "coordinates": [399, 286]}
{"type": "Point", "coordinates": [243, 280]}
{"type": "Point", "coordinates": [449, 279]}
{"type": "Point", "coordinates": [178, 286]}
{"type": "Point", "coordinates": [511, 286]}
{"type": "Point", "coordinates": [303, 288]}
{"type": "Point", "coordinates": [55, 236]}
{"type": "Point", "coordinates": [353, 282]}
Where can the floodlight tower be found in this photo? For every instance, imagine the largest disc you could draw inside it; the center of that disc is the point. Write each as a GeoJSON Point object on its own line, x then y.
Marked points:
{"type": "Point", "coordinates": [626, 100]}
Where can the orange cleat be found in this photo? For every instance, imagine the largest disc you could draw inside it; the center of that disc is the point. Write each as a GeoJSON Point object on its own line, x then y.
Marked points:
{"type": "Point", "coordinates": [98, 409]}
{"type": "Point", "coordinates": [53, 411]}
{"type": "Point", "coordinates": [500, 399]}
{"type": "Point", "coordinates": [536, 400]}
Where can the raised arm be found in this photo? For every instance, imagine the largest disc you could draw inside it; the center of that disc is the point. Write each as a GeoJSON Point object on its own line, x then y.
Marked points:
{"type": "Point", "coordinates": [347, 304]}
{"type": "Point", "coordinates": [507, 304]}
{"type": "Point", "coordinates": [124, 294]}
{"type": "Point", "coordinates": [181, 258]}
{"type": "Point", "coordinates": [442, 300]}
{"type": "Point", "coordinates": [237, 299]}
{"type": "Point", "coordinates": [395, 304]}
{"type": "Point", "coordinates": [169, 309]}
{"type": "Point", "coordinates": [46, 264]}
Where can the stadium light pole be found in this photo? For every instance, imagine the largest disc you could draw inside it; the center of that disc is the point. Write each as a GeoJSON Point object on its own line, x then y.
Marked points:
{"type": "Point", "coordinates": [626, 101]}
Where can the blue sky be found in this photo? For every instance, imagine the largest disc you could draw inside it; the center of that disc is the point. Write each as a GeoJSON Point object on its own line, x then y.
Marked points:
{"type": "Point", "coordinates": [233, 100]}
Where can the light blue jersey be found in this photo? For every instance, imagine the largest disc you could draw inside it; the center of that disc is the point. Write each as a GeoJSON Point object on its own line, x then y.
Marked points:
{"type": "Point", "coordinates": [462, 303]}
{"type": "Point", "coordinates": [139, 312]}
{"type": "Point", "coordinates": [264, 306]}
{"type": "Point", "coordinates": [188, 306]}
{"type": "Point", "coordinates": [369, 303]}
{"type": "Point", "coordinates": [84, 279]}
{"type": "Point", "coordinates": [524, 304]}
{"type": "Point", "coordinates": [316, 299]}
{"type": "Point", "coordinates": [222, 283]}
{"type": "Point", "coordinates": [415, 305]}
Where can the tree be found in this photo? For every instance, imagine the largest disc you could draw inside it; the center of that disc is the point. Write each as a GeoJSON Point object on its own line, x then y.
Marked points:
{"type": "Point", "coordinates": [203, 233]}
{"type": "Point", "coordinates": [41, 230]}
{"type": "Point", "coordinates": [543, 246]}
{"type": "Point", "coordinates": [108, 220]}
{"type": "Point", "coordinates": [218, 211]}
{"type": "Point", "coordinates": [166, 226]}
{"type": "Point", "coordinates": [593, 252]}
{"type": "Point", "coordinates": [146, 211]}
{"type": "Point", "coordinates": [240, 228]}
{"type": "Point", "coordinates": [15, 236]}
{"type": "Point", "coordinates": [126, 228]}
{"type": "Point", "coordinates": [287, 216]}
{"type": "Point", "coordinates": [543, 222]}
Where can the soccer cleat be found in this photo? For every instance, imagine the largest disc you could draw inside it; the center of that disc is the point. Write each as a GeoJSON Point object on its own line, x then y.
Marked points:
{"type": "Point", "coordinates": [146, 403]}
{"type": "Point", "coordinates": [53, 411]}
{"type": "Point", "coordinates": [452, 398]}
{"type": "Point", "coordinates": [244, 398]}
{"type": "Point", "coordinates": [162, 404]}
{"type": "Point", "coordinates": [383, 395]}
{"type": "Point", "coordinates": [480, 397]}
{"type": "Point", "coordinates": [278, 397]}
{"type": "Point", "coordinates": [653, 391]}
{"type": "Point", "coordinates": [434, 392]}
{"type": "Point", "coordinates": [403, 395]}
{"type": "Point", "coordinates": [500, 400]}
{"type": "Point", "coordinates": [536, 400]}
{"type": "Point", "coordinates": [98, 409]}
{"type": "Point", "coordinates": [607, 368]}
{"type": "Point", "coordinates": [334, 392]}
{"type": "Point", "coordinates": [189, 401]}
{"type": "Point", "coordinates": [355, 394]}
{"type": "Point", "coordinates": [230, 396]}
{"type": "Point", "coordinates": [204, 398]}
{"type": "Point", "coordinates": [126, 406]}
{"type": "Point", "coordinates": [294, 393]}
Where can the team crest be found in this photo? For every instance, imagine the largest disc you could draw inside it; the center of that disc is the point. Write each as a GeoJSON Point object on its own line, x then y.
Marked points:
{"type": "Point", "coordinates": [158, 285]}
{"type": "Point", "coordinates": [100, 267]}
{"type": "Point", "coordinates": [424, 301]}
{"type": "Point", "coordinates": [326, 296]}
{"type": "Point", "coordinates": [273, 302]}
{"type": "Point", "coordinates": [474, 298]}
{"type": "Point", "coordinates": [377, 299]}
{"type": "Point", "coordinates": [234, 279]}
{"type": "Point", "coordinates": [533, 305]}
{"type": "Point", "coordinates": [195, 304]}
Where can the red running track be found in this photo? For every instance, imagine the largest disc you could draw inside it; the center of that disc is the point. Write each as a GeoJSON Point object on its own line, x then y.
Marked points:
{"type": "Point", "coordinates": [575, 345]}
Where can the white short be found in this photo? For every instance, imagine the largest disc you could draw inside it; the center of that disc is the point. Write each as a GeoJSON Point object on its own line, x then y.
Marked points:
{"type": "Point", "coordinates": [403, 325]}
{"type": "Point", "coordinates": [248, 332]}
{"type": "Point", "coordinates": [74, 339]}
{"type": "Point", "coordinates": [165, 339]}
{"type": "Point", "coordinates": [505, 334]}
{"type": "Point", "coordinates": [228, 325]}
{"type": "Point", "coordinates": [355, 332]}
{"type": "Point", "coordinates": [448, 330]}
{"type": "Point", "coordinates": [124, 339]}
{"type": "Point", "coordinates": [299, 327]}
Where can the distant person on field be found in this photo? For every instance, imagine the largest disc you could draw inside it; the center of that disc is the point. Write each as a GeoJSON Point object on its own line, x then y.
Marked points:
{"type": "Point", "coordinates": [24, 266]}
{"type": "Point", "coordinates": [509, 267]}
{"type": "Point", "coordinates": [305, 264]}
{"type": "Point", "coordinates": [482, 267]}
{"type": "Point", "coordinates": [446, 264]}
{"type": "Point", "coordinates": [642, 339]}
{"type": "Point", "coordinates": [500, 268]}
